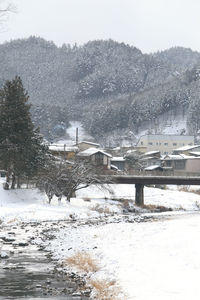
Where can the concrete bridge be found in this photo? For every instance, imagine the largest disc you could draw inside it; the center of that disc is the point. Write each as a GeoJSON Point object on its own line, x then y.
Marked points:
{"type": "Point", "coordinates": [140, 181]}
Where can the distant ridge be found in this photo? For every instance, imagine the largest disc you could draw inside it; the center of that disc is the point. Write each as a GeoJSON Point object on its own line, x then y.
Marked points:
{"type": "Point", "coordinates": [108, 86]}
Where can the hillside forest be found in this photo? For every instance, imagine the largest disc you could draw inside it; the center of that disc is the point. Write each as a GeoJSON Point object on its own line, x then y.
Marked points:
{"type": "Point", "coordinates": [106, 85]}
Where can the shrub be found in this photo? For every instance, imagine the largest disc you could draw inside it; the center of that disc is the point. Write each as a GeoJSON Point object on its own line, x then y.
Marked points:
{"type": "Point", "coordinates": [83, 261]}
{"type": "Point", "coordinates": [106, 290]}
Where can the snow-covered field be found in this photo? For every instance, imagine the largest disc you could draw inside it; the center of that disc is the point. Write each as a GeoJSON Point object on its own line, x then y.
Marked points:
{"type": "Point", "coordinates": [158, 259]}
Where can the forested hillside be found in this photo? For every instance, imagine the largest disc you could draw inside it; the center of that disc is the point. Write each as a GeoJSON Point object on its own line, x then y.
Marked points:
{"type": "Point", "coordinates": [107, 85]}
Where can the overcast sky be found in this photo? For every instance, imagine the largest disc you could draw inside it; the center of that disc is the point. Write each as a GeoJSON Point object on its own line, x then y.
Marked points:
{"type": "Point", "coordinates": [150, 25]}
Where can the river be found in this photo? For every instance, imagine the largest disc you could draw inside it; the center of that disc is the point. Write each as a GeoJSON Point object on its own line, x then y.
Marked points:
{"type": "Point", "coordinates": [28, 272]}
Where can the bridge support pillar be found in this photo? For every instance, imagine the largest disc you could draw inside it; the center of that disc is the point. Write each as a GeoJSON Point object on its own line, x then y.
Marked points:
{"type": "Point", "coordinates": [139, 194]}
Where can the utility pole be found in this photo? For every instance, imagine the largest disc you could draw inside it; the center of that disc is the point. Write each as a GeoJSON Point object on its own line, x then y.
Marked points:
{"type": "Point", "coordinates": [76, 136]}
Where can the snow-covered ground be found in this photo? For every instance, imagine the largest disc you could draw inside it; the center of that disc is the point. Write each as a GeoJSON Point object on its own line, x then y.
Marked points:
{"type": "Point", "coordinates": [153, 260]}
{"type": "Point", "coordinates": [31, 205]}
{"type": "Point", "coordinates": [158, 259]}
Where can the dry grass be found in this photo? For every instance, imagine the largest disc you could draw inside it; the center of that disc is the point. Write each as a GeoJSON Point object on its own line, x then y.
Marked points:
{"type": "Point", "coordinates": [83, 261]}
{"type": "Point", "coordinates": [106, 290]}
{"type": "Point", "coordinates": [126, 203]}
{"type": "Point", "coordinates": [101, 209]}
{"type": "Point", "coordinates": [12, 221]}
{"type": "Point", "coordinates": [187, 189]}
{"type": "Point", "coordinates": [102, 289]}
{"type": "Point", "coordinates": [184, 188]}
{"type": "Point", "coordinates": [156, 208]}
{"type": "Point", "coordinates": [87, 199]}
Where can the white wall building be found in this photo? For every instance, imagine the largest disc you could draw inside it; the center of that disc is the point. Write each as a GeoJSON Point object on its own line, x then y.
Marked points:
{"type": "Point", "coordinates": [164, 143]}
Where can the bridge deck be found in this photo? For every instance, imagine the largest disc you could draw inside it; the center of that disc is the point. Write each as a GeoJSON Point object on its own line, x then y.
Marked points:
{"type": "Point", "coordinates": [140, 179]}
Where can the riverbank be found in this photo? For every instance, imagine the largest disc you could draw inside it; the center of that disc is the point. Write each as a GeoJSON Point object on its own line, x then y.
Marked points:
{"type": "Point", "coordinates": [119, 257]}
{"type": "Point", "coordinates": [27, 270]}
{"type": "Point", "coordinates": [94, 239]}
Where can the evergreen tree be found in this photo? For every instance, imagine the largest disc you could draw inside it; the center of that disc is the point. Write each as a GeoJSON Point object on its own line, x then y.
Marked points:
{"type": "Point", "coordinates": [21, 148]}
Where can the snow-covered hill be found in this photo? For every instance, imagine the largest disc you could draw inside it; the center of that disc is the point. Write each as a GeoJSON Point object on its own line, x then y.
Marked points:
{"type": "Point", "coordinates": [171, 122]}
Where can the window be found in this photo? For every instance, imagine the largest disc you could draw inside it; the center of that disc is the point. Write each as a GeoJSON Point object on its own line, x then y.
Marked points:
{"type": "Point", "coordinates": [141, 143]}
{"type": "Point", "coordinates": [99, 158]}
{"type": "Point", "coordinates": [179, 164]}
{"type": "Point", "coordinates": [174, 144]}
{"type": "Point", "coordinates": [150, 143]}
{"type": "Point", "coordinates": [166, 144]}
{"type": "Point", "coordinates": [168, 163]}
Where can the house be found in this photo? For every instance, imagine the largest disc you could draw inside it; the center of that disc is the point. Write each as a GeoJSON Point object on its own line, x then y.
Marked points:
{"type": "Point", "coordinates": [119, 162]}
{"type": "Point", "coordinates": [150, 158]}
{"type": "Point", "coordinates": [86, 145]}
{"type": "Point", "coordinates": [164, 143]}
{"type": "Point", "coordinates": [182, 164]}
{"type": "Point", "coordinates": [62, 151]}
{"type": "Point", "coordinates": [97, 157]}
{"type": "Point", "coordinates": [157, 170]}
{"type": "Point", "coordinates": [187, 149]}
{"type": "Point", "coordinates": [133, 163]}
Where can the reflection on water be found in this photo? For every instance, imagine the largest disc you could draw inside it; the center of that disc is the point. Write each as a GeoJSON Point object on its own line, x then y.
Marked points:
{"type": "Point", "coordinates": [29, 277]}
{"type": "Point", "coordinates": [29, 274]}
{"type": "Point", "coordinates": [43, 298]}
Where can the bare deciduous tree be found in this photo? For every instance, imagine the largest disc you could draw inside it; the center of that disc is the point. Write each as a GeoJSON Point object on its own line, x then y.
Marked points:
{"type": "Point", "coordinates": [5, 8]}
{"type": "Point", "coordinates": [67, 178]}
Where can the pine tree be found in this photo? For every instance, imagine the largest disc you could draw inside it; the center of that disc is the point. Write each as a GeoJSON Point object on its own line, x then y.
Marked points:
{"type": "Point", "coordinates": [21, 148]}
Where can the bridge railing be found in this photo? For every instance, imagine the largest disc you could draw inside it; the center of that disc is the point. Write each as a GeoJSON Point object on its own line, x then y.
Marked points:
{"type": "Point", "coordinates": [160, 173]}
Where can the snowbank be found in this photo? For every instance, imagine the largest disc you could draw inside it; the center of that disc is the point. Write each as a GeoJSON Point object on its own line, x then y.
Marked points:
{"type": "Point", "coordinates": [154, 260]}
{"type": "Point", "coordinates": [30, 205]}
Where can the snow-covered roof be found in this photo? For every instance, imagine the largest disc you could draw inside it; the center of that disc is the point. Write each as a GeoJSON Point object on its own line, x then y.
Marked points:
{"type": "Point", "coordinates": [195, 153]}
{"type": "Point", "coordinates": [154, 167]}
{"type": "Point", "coordinates": [188, 156]}
{"type": "Point", "coordinates": [119, 158]}
{"type": "Point", "coordinates": [172, 157]}
{"type": "Point", "coordinates": [92, 151]}
{"type": "Point", "coordinates": [151, 153]}
{"type": "Point", "coordinates": [62, 148]}
{"type": "Point", "coordinates": [186, 148]}
{"type": "Point", "coordinates": [116, 148]}
{"type": "Point", "coordinates": [131, 151]}
{"type": "Point", "coordinates": [149, 158]}
{"type": "Point", "coordinates": [114, 167]}
{"type": "Point", "coordinates": [178, 156]}
{"type": "Point", "coordinates": [89, 143]}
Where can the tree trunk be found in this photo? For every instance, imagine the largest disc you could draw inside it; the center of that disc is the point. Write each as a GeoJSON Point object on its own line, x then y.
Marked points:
{"type": "Point", "coordinates": [59, 199]}
{"type": "Point", "coordinates": [7, 183]}
{"type": "Point", "coordinates": [18, 182]}
{"type": "Point", "coordinates": [69, 197]}
{"type": "Point", "coordinates": [50, 197]}
{"type": "Point", "coordinates": [13, 181]}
